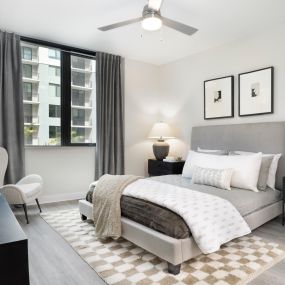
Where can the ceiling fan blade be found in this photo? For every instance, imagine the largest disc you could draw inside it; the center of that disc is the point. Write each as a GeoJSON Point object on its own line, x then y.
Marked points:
{"type": "Point", "coordinates": [185, 29]}
{"type": "Point", "coordinates": [155, 4]}
{"type": "Point", "coordinates": [119, 24]}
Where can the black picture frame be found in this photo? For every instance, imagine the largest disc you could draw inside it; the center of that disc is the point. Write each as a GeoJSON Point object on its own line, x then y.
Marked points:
{"type": "Point", "coordinates": [271, 68]}
{"type": "Point", "coordinates": [232, 98]}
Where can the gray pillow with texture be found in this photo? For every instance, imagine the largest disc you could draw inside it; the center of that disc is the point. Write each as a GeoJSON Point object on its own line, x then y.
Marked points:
{"type": "Point", "coordinates": [264, 170]}
{"type": "Point", "coordinates": [220, 178]}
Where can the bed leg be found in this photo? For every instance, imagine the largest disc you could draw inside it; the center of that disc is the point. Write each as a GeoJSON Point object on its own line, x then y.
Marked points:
{"type": "Point", "coordinates": [83, 218]}
{"type": "Point", "coordinates": [173, 269]}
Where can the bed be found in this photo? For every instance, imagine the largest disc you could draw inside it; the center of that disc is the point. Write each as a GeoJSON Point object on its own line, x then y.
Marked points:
{"type": "Point", "coordinates": [256, 208]}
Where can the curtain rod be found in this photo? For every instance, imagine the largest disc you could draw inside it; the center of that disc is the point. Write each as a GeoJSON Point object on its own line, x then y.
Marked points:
{"type": "Point", "coordinates": [58, 46]}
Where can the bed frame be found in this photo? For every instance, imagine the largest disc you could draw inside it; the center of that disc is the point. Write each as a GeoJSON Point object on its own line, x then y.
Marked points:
{"type": "Point", "coordinates": [246, 137]}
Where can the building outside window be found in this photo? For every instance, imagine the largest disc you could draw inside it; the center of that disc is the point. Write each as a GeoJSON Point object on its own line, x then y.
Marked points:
{"type": "Point", "coordinates": [54, 111]}
{"type": "Point", "coordinates": [79, 62]}
{"type": "Point", "coordinates": [27, 53]}
{"type": "Point", "coordinates": [54, 53]}
{"type": "Point", "coordinates": [78, 79]}
{"type": "Point", "coordinates": [54, 135]}
{"type": "Point", "coordinates": [29, 134]}
{"type": "Point", "coordinates": [78, 135]}
{"type": "Point", "coordinates": [78, 117]}
{"type": "Point", "coordinates": [78, 97]}
{"type": "Point", "coordinates": [28, 91]}
{"type": "Point", "coordinates": [27, 70]}
{"type": "Point", "coordinates": [28, 113]}
{"type": "Point", "coordinates": [54, 71]}
{"type": "Point", "coordinates": [54, 90]}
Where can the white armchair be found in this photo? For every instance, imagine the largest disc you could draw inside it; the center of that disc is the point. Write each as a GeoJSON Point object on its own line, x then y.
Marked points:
{"type": "Point", "coordinates": [23, 192]}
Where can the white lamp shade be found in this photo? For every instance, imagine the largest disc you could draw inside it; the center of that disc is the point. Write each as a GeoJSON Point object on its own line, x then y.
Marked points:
{"type": "Point", "coordinates": [161, 131]}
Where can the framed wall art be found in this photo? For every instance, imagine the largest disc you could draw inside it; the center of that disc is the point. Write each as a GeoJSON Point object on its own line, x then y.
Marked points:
{"type": "Point", "coordinates": [219, 98]}
{"type": "Point", "coordinates": [256, 92]}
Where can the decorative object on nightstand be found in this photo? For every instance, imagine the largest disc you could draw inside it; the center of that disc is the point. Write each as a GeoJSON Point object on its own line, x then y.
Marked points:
{"type": "Point", "coordinates": [158, 167]}
{"type": "Point", "coordinates": [160, 131]}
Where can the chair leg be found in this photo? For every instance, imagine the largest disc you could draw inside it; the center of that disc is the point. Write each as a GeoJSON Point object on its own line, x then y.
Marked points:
{"type": "Point", "coordinates": [26, 213]}
{"type": "Point", "coordinates": [39, 206]}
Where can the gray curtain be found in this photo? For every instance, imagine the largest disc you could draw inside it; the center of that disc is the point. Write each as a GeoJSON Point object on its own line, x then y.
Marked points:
{"type": "Point", "coordinates": [110, 115]}
{"type": "Point", "coordinates": [11, 105]}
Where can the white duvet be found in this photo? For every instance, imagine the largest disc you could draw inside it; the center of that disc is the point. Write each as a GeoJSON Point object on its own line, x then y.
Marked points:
{"type": "Point", "coordinates": [212, 220]}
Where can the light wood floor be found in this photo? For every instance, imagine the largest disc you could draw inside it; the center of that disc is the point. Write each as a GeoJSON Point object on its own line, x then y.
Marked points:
{"type": "Point", "coordinates": [54, 262]}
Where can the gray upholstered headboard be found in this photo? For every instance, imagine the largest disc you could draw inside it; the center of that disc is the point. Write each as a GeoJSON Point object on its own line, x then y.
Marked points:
{"type": "Point", "coordinates": [264, 137]}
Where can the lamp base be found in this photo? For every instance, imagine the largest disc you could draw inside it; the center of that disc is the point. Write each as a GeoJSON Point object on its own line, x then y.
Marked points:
{"type": "Point", "coordinates": [160, 149]}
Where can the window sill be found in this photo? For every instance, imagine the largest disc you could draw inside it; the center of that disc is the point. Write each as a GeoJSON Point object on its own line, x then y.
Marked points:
{"type": "Point", "coordinates": [58, 146]}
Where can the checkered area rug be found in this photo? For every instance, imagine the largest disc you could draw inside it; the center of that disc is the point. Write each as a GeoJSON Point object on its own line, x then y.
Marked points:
{"type": "Point", "coordinates": [121, 262]}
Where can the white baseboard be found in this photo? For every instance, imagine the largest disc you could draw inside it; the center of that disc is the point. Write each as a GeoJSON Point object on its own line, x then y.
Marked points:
{"type": "Point", "coordinates": [61, 197]}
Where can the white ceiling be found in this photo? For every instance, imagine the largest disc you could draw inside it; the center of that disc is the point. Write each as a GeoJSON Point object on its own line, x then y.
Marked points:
{"type": "Point", "coordinates": [75, 23]}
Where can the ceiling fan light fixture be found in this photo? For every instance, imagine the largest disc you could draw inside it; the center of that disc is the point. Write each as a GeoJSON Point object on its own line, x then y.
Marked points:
{"type": "Point", "coordinates": [152, 23]}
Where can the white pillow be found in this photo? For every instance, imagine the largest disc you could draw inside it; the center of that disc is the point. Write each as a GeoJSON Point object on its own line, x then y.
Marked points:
{"type": "Point", "coordinates": [246, 167]}
{"type": "Point", "coordinates": [273, 167]}
{"type": "Point", "coordinates": [220, 178]}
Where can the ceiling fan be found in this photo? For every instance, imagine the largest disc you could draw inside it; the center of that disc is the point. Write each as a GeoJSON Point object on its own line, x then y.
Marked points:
{"type": "Point", "coordinates": [152, 20]}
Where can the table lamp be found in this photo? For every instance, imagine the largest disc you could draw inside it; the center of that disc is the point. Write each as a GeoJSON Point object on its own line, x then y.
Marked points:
{"type": "Point", "coordinates": [160, 131]}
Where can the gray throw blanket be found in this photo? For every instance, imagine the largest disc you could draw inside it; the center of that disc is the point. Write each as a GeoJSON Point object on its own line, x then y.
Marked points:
{"type": "Point", "coordinates": [106, 204]}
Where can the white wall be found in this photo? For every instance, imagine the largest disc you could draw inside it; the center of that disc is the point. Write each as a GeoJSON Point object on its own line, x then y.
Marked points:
{"type": "Point", "coordinates": [182, 81]}
{"type": "Point", "coordinates": [142, 92]}
{"type": "Point", "coordinates": [68, 171]}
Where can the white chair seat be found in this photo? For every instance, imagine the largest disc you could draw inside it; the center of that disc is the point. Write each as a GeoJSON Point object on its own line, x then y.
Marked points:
{"type": "Point", "coordinates": [24, 191]}
{"type": "Point", "coordinates": [30, 191]}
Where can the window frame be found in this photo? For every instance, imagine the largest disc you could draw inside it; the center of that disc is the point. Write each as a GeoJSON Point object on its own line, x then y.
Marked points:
{"type": "Point", "coordinates": [65, 85]}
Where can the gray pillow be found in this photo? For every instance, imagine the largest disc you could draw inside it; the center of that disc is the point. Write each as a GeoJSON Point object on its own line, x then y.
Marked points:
{"type": "Point", "coordinates": [264, 170]}
{"type": "Point", "coordinates": [214, 152]}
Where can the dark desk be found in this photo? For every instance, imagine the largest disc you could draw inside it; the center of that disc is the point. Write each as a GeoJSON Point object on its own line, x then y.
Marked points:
{"type": "Point", "coordinates": [14, 265]}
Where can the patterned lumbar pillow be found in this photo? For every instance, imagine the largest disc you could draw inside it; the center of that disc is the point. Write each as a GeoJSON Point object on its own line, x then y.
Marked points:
{"type": "Point", "coordinates": [220, 178]}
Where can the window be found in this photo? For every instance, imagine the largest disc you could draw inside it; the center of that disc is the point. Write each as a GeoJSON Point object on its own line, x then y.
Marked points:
{"type": "Point", "coordinates": [78, 97]}
{"type": "Point", "coordinates": [54, 111]}
{"type": "Point", "coordinates": [54, 90]}
{"type": "Point", "coordinates": [58, 92]}
{"type": "Point", "coordinates": [28, 91]}
{"type": "Point", "coordinates": [54, 135]}
{"type": "Point", "coordinates": [54, 71]}
{"type": "Point", "coordinates": [54, 53]}
{"type": "Point", "coordinates": [28, 113]}
{"type": "Point", "coordinates": [78, 79]}
{"type": "Point", "coordinates": [78, 117]}
{"type": "Point", "coordinates": [30, 134]}
{"type": "Point", "coordinates": [79, 63]}
{"type": "Point", "coordinates": [78, 135]}
{"type": "Point", "coordinates": [27, 70]}
{"type": "Point", "coordinates": [27, 53]}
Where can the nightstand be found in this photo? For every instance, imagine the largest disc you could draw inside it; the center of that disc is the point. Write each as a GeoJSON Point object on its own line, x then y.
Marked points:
{"type": "Point", "coordinates": [159, 167]}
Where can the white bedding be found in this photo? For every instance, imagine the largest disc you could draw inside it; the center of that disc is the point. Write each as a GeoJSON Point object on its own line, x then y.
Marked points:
{"type": "Point", "coordinates": [212, 220]}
